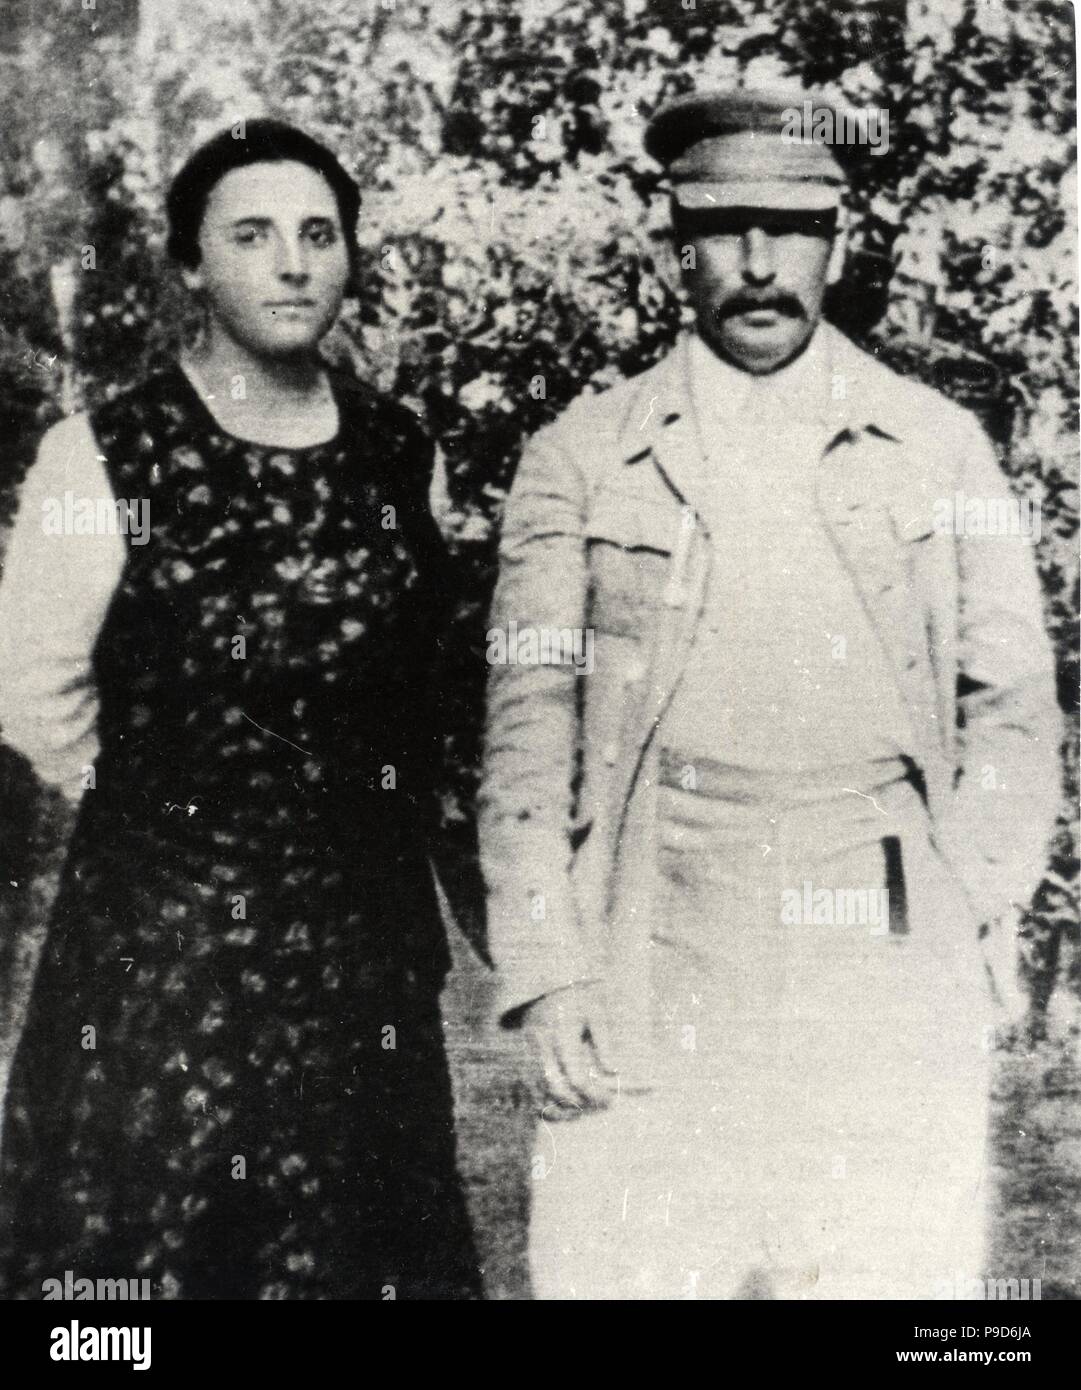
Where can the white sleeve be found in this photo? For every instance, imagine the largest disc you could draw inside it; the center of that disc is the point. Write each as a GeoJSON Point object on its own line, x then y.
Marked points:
{"type": "Point", "coordinates": [54, 592]}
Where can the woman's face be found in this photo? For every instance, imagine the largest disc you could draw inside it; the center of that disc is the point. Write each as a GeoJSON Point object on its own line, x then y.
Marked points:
{"type": "Point", "coordinates": [274, 261]}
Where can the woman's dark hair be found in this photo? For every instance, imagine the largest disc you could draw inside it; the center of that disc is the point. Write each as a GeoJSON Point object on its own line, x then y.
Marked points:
{"type": "Point", "coordinates": [261, 141]}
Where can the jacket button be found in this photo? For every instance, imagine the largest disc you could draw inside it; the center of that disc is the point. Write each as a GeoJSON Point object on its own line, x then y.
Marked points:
{"type": "Point", "coordinates": [610, 753]}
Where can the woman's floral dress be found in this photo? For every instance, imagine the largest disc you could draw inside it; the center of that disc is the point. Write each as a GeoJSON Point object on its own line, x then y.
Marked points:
{"type": "Point", "coordinates": [232, 1079]}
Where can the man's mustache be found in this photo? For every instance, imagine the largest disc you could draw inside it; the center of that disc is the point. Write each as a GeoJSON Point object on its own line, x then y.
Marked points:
{"type": "Point", "coordinates": [747, 302]}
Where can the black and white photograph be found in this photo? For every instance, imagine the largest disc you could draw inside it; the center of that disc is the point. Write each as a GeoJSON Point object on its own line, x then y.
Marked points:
{"type": "Point", "coordinates": [539, 660]}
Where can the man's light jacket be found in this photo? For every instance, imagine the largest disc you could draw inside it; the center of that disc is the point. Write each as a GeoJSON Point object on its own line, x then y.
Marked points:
{"type": "Point", "coordinates": [604, 531]}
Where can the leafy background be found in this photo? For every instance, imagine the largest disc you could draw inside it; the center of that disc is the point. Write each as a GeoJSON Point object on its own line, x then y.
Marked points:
{"type": "Point", "coordinates": [514, 251]}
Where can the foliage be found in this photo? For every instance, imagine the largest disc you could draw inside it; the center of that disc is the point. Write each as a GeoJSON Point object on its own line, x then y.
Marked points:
{"type": "Point", "coordinates": [513, 229]}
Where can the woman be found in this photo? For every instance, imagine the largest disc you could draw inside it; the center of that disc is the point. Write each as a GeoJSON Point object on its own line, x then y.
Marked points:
{"type": "Point", "coordinates": [232, 1079]}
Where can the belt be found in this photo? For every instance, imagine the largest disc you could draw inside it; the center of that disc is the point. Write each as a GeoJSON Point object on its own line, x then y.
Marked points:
{"type": "Point", "coordinates": [729, 782]}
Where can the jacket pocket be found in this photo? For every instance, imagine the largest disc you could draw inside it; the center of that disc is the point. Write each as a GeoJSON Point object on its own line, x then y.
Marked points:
{"type": "Point", "coordinates": [633, 522]}
{"type": "Point", "coordinates": [912, 518]}
{"type": "Point", "coordinates": [629, 542]}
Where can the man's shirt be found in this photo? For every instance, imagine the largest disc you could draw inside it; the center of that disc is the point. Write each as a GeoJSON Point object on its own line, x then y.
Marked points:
{"type": "Point", "coordinates": [787, 672]}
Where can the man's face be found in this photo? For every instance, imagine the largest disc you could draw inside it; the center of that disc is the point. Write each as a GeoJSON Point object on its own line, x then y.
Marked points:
{"type": "Point", "coordinates": [274, 259]}
{"type": "Point", "coordinates": [759, 279]}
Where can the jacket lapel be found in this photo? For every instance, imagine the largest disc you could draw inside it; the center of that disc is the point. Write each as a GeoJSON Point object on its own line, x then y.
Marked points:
{"type": "Point", "coordinates": [664, 426]}
{"type": "Point", "coordinates": [662, 430]}
{"type": "Point", "coordinates": [860, 498]}
{"type": "Point", "coordinates": [868, 503]}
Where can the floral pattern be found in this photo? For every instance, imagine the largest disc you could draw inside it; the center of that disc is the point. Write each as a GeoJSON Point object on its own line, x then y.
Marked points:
{"type": "Point", "coordinates": [232, 1079]}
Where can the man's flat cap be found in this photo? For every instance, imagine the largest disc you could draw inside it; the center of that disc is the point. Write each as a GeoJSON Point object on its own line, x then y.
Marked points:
{"type": "Point", "coordinates": [747, 148]}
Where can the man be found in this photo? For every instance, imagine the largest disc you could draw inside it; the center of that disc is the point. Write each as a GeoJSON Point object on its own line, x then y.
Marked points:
{"type": "Point", "coordinates": [749, 874]}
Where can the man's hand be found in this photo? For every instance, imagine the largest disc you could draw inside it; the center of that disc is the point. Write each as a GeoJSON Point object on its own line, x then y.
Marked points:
{"type": "Point", "coordinates": [568, 1034]}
